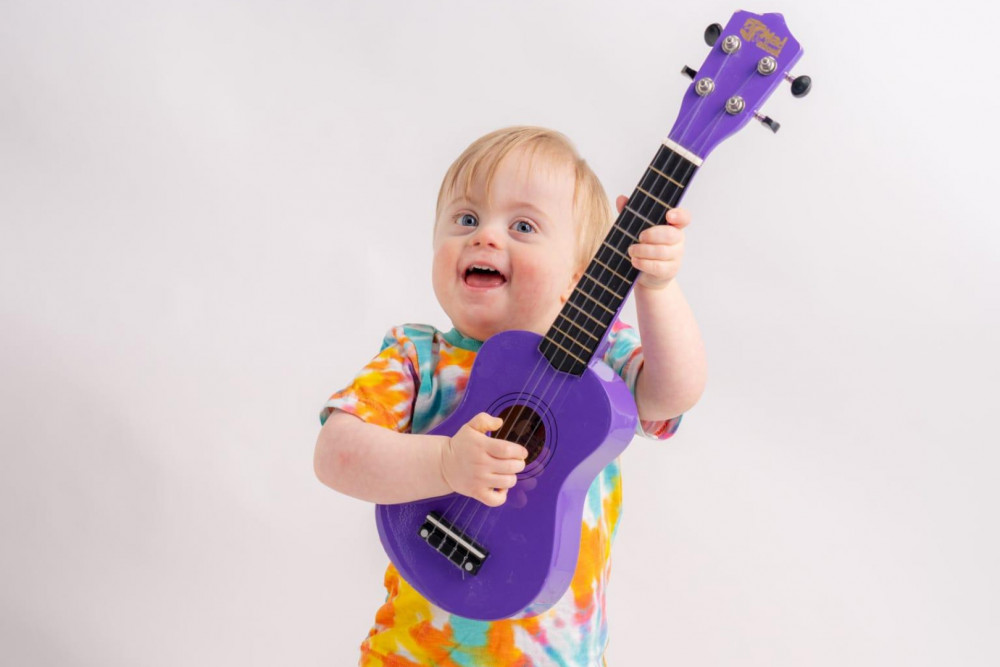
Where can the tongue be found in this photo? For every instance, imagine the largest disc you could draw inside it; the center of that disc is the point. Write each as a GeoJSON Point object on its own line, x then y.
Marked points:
{"type": "Point", "coordinates": [483, 279]}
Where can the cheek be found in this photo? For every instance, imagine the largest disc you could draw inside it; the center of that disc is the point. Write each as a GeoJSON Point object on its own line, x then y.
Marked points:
{"type": "Point", "coordinates": [440, 273]}
{"type": "Point", "coordinates": [549, 281]}
{"type": "Point", "coordinates": [444, 258]}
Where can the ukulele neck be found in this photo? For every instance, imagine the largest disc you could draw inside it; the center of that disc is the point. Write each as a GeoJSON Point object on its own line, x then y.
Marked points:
{"type": "Point", "coordinates": [584, 321]}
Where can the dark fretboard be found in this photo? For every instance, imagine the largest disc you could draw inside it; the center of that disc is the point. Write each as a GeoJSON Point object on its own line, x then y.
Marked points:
{"type": "Point", "coordinates": [583, 324]}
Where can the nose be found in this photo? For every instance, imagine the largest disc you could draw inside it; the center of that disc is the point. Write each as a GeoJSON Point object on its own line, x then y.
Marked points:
{"type": "Point", "coordinates": [487, 235]}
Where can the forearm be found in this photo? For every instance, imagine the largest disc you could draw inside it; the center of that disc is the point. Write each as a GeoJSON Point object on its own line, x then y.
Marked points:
{"type": "Point", "coordinates": [674, 368]}
{"type": "Point", "coordinates": [377, 464]}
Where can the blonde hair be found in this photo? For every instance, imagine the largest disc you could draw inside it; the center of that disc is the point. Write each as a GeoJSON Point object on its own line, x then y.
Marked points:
{"type": "Point", "coordinates": [591, 208]}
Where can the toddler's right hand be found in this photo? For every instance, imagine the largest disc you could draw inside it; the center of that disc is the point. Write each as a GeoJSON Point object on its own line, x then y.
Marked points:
{"type": "Point", "coordinates": [481, 467]}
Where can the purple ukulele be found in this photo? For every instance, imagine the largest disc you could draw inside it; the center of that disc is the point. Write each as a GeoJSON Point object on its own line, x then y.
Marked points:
{"type": "Point", "coordinates": [554, 394]}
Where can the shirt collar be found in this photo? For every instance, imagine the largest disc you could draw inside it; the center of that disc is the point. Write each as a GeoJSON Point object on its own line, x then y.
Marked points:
{"type": "Point", "coordinates": [458, 339]}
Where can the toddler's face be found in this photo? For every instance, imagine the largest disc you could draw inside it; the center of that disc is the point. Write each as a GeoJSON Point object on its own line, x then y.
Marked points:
{"type": "Point", "coordinates": [507, 262]}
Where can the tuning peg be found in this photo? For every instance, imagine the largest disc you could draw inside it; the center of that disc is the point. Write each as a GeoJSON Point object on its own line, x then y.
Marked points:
{"type": "Point", "coordinates": [712, 34]}
{"type": "Point", "coordinates": [801, 85]}
{"type": "Point", "coordinates": [768, 122]}
{"type": "Point", "coordinates": [687, 71]}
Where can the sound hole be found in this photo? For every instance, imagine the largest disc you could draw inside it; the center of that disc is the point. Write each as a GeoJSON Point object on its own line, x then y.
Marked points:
{"type": "Point", "coordinates": [522, 425]}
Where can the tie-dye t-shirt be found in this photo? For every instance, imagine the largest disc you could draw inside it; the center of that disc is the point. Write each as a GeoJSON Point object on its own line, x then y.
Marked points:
{"type": "Point", "coordinates": [417, 380]}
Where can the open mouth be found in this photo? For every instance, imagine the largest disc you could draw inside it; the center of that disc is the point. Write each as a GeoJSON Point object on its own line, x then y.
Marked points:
{"type": "Point", "coordinates": [481, 275]}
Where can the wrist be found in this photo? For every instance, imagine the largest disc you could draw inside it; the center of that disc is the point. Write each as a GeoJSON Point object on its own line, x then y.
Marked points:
{"type": "Point", "coordinates": [651, 285]}
{"type": "Point", "coordinates": [444, 450]}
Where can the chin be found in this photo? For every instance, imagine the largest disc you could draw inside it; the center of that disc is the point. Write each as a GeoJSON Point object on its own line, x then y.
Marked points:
{"type": "Point", "coordinates": [479, 328]}
{"type": "Point", "coordinates": [481, 332]}
{"type": "Point", "coordinates": [483, 328]}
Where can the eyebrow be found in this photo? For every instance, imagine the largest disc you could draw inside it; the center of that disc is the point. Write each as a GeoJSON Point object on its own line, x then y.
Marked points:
{"type": "Point", "coordinates": [460, 199]}
{"type": "Point", "coordinates": [537, 212]}
{"type": "Point", "coordinates": [531, 207]}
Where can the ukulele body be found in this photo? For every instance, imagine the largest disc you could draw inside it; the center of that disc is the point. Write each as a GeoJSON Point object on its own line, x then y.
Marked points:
{"type": "Point", "coordinates": [490, 563]}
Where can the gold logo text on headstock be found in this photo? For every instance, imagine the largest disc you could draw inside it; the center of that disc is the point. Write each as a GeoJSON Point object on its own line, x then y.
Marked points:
{"type": "Point", "coordinates": [755, 31]}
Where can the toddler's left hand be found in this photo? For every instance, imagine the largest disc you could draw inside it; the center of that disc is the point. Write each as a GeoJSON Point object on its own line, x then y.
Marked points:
{"type": "Point", "coordinates": [660, 249]}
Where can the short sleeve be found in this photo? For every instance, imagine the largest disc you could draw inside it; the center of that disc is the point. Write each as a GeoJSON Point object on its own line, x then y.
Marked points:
{"type": "Point", "coordinates": [624, 356]}
{"type": "Point", "coordinates": [383, 393]}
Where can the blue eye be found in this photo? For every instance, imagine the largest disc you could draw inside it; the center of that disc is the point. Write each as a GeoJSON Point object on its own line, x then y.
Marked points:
{"type": "Point", "coordinates": [524, 227]}
{"type": "Point", "coordinates": [467, 220]}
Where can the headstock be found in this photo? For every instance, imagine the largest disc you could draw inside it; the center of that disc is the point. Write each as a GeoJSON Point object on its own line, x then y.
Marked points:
{"type": "Point", "coordinates": [750, 57]}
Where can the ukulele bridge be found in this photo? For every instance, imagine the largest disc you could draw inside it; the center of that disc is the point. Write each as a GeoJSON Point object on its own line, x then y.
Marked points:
{"type": "Point", "coordinates": [463, 552]}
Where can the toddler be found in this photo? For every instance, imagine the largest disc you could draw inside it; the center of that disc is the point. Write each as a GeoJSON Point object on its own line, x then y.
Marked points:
{"type": "Point", "coordinates": [519, 216]}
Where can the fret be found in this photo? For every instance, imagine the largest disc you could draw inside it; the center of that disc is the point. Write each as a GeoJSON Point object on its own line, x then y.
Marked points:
{"type": "Point", "coordinates": [616, 251]}
{"type": "Point", "coordinates": [594, 300]}
{"type": "Point", "coordinates": [635, 225]}
{"type": "Point", "coordinates": [568, 335]}
{"type": "Point", "coordinates": [657, 200]}
{"type": "Point", "coordinates": [652, 168]}
{"type": "Point", "coordinates": [665, 191]}
{"type": "Point", "coordinates": [667, 162]}
{"type": "Point", "coordinates": [604, 295]}
{"type": "Point", "coordinates": [549, 340]}
{"type": "Point", "coordinates": [640, 216]}
{"type": "Point", "coordinates": [662, 158]}
{"type": "Point", "coordinates": [674, 165]}
{"type": "Point", "coordinates": [574, 325]}
{"type": "Point", "coordinates": [557, 358]}
{"type": "Point", "coordinates": [571, 346]}
{"type": "Point", "coordinates": [622, 264]}
{"type": "Point", "coordinates": [579, 308]}
{"type": "Point", "coordinates": [609, 285]}
{"type": "Point", "coordinates": [614, 282]}
{"type": "Point", "coordinates": [618, 228]}
{"type": "Point", "coordinates": [597, 261]}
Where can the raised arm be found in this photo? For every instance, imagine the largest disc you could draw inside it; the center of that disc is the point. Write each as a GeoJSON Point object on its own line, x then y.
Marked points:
{"type": "Point", "coordinates": [673, 372]}
{"type": "Point", "coordinates": [674, 369]}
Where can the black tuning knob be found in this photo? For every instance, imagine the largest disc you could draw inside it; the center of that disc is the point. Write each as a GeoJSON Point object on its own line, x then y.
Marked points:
{"type": "Point", "coordinates": [687, 71]}
{"type": "Point", "coordinates": [768, 122]}
{"type": "Point", "coordinates": [801, 85]}
{"type": "Point", "coordinates": [712, 34]}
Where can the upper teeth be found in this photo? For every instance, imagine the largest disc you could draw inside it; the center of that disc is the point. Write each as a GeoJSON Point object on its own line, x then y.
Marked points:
{"type": "Point", "coordinates": [483, 268]}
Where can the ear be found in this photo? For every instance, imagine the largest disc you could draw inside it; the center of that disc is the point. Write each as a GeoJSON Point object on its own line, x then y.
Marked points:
{"type": "Point", "coordinates": [564, 297]}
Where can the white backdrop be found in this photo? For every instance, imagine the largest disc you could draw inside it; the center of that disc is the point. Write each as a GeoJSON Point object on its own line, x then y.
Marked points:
{"type": "Point", "coordinates": [211, 211]}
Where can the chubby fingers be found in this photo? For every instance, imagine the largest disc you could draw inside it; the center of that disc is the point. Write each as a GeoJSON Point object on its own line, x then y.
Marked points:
{"type": "Point", "coordinates": [678, 217]}
{"type": "Point", "coordinates": [675, 217]}
{"type": "Point", "coordinates": [507, 459]}
{"type": "Point", "coordinates": [658, 254]}
{"type": "Point", "coordinates": [662, 243]}
{"type": "Point", "coordinates": [479, 466]}
{"type": "Point", "coordinates": [661, 235]}
{"type": "Point", "coordinates": [484, 422]}
{"type": "Point", "coordinates": [506, 450]}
